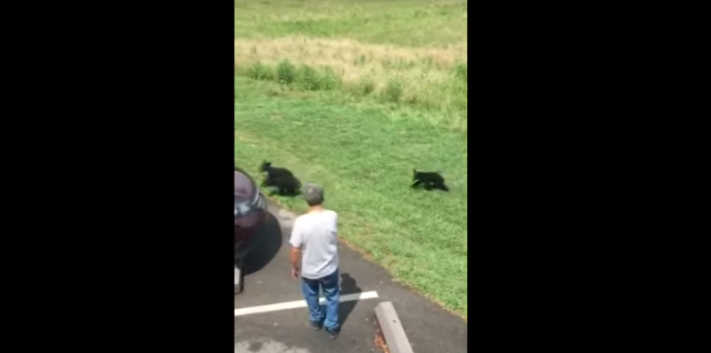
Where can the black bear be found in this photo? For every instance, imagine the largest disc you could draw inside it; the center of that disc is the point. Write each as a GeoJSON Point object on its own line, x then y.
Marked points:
{"type": "Point", "coordinates": [282, 179]}
{"type": "Point", "coordinates": [430, 180]}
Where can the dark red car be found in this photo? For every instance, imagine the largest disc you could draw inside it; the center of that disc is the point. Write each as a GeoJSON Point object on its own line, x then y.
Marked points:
{"type": "Point", "coordinates": [250, 216]}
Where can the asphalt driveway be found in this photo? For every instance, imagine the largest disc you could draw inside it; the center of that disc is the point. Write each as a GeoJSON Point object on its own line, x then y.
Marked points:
{"type": "Point", "coordinates": [267, 321]}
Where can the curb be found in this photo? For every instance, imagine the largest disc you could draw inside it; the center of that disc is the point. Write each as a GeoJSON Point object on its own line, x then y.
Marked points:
{"type": "Point", "coordinates": [393, 332]}
{"type": "Point", "coordinates": [285, 217]}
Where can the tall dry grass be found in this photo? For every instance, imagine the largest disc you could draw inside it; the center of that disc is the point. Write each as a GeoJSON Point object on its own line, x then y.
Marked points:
{"type": "Point", "coordinates": [430, 78]}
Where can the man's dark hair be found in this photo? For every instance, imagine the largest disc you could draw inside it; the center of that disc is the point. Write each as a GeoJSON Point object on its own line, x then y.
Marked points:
{"type": "Point", "coordinates": [313, 194]}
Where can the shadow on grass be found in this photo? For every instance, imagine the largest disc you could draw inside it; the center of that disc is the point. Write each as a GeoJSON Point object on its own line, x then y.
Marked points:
{"type": "Point", "coordinates": [429, 187]}
{"type": "Point", "coordinates": [293, 193]}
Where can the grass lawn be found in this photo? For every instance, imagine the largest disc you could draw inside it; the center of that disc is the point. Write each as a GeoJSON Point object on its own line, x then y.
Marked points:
{"type": "Point", "coordinates": [349, 111]}
{"type": "Point", "coordinates": [408, 23]}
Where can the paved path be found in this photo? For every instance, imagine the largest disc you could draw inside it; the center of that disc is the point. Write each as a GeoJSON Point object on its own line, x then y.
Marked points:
{"type": "Point", "coordinates": [268, 281]}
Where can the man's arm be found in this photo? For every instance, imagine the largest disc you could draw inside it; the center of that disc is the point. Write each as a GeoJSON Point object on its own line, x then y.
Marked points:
{"type": "Point", "coordinates": [295, 258]}
{"type": "Point", "coordinates": [295, 242]}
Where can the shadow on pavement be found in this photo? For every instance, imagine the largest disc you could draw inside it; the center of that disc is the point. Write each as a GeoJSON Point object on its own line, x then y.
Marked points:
{"type": "Point", "coordinates": [268, 243]}
{"type": "Point", "coordinates": [348, 286]}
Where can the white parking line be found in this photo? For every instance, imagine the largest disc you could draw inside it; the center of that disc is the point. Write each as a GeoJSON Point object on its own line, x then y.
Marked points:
{"type": "Point", "coordinates": [301, 304]}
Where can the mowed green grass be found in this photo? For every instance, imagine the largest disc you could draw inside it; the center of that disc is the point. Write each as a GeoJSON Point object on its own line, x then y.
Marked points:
{"type": "Point", "coordinates": [396, 105]}
{"type": "Point", "coordinates": [402, 22]}
{"type": "Point", "coordinates": [364, 157]}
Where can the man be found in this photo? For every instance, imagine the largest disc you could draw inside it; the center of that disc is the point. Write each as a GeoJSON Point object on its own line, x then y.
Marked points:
{"type": "Point", "coordinates": [315, 237]}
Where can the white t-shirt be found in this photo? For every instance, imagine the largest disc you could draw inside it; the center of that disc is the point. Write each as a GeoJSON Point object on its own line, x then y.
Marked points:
{"type": "Point", "coordinates": [316, 234]}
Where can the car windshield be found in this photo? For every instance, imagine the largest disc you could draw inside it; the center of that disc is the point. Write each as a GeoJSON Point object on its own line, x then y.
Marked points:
{"type": "Point", "coordinates": [245, 194]}
{"type": "Point", "coordinates": [245, 190]}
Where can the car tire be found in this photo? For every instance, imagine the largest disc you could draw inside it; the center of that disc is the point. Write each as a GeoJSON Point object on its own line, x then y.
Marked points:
{"type": "Point", "coordinates": [240, 287]}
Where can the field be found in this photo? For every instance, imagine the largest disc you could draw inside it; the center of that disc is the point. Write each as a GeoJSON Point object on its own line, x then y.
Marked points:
{"type": "Point", "coordinates": [354, 95]}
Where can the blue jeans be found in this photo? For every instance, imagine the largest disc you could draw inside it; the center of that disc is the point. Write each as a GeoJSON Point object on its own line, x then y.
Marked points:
{"type": "Point", "coordinates": [331, 291]}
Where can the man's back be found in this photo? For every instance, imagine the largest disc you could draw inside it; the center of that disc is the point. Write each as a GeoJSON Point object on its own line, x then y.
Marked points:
{"type": "Point", "coordinates": [316, 233]}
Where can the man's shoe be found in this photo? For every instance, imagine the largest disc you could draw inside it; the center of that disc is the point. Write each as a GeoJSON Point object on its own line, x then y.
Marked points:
{"type": "Point", "coordinates": [316, 325]}
{"type": "Point", "coordinates": [333, 333]}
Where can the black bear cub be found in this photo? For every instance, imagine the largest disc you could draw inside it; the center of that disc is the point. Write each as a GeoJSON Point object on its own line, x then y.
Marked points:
{"type": "Point", "coordinates": [430, 180]}
{"type": "Point", "coordinates": [282, 179]}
